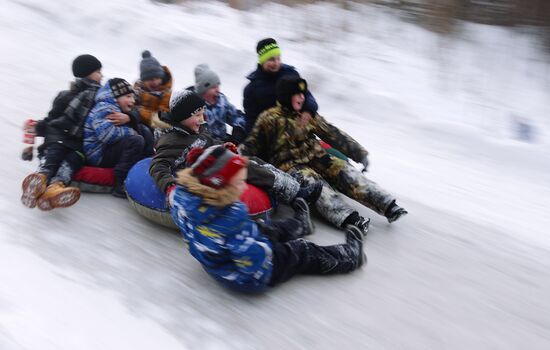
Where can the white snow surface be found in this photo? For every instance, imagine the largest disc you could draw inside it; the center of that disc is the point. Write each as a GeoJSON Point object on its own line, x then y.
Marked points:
{"type": "Point", "coordinates": [468, 268]}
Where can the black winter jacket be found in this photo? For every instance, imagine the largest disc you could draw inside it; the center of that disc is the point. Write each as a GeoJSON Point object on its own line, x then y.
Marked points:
{"type": "Point", "coordinates": [259, 95]}
{"type": "Point", "coordinates": [65, 121]}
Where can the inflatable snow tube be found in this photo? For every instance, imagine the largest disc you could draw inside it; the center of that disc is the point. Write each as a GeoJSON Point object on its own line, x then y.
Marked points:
{"type": "Point", "coordinates": [150, 202]}
{"type": "Point", "coordinates": [94, 179]}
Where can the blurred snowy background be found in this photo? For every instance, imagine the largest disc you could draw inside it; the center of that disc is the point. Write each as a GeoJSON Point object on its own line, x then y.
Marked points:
{"type": "Point", "coordinates": [451, 99]}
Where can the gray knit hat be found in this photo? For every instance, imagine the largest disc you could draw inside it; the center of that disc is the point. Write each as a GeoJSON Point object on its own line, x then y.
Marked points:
{"type": "Point", "coordinates": [149, 67]}
{"type": "Point", "coordinates": [205, 78]}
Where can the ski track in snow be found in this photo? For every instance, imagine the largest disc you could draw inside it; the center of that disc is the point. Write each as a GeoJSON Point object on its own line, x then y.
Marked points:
{"type": "Point", "coordinates": [467, 268]}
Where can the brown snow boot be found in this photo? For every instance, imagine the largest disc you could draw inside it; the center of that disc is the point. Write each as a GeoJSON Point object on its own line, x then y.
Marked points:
{"type": "Point", "coordinates": [58, 196]}
{"type": "Point", "coordinates": [33, 187]}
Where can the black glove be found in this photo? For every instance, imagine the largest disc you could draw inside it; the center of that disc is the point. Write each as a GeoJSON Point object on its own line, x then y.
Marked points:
{"type": "Point", "coordinates": [27, 153]}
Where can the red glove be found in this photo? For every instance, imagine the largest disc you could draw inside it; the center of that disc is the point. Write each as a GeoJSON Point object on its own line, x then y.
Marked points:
{"type": "Point", "coordinates": [231, 147]}
{"type": "Point", "coordinates": [169, 191]}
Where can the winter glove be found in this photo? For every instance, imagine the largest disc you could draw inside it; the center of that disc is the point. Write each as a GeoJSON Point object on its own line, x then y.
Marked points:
{"type": "Point", "coordinates": [365, 163]}
{"type": "Point", "coordinates": [231, 147]}
{"type": "Point", "coordinates": [170, 195]}
{"type": "Point", "coordinates": [27, 153]}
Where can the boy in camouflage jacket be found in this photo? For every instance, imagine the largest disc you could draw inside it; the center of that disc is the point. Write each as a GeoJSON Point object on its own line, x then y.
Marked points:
{"type": "Point", "coordinates": [288, 140]}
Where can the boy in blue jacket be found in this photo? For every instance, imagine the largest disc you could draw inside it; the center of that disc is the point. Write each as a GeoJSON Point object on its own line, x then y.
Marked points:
{"type": "Point", "coordinates": [113, 133]}
{"type": "Point", "coordinates": [235, 250]}
{"type": "Point", "coordinates": [219, 111]}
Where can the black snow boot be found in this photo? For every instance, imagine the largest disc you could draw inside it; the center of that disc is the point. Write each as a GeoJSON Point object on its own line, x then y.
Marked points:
{"type": "Point", "coordinates": [354, 238]}
{"type": "Point", "coordinates": [118, 190]}
{"type": "Point", "coordinates": [394, 212]}
{"type": "Point", "coordinates": [358, 221]}
{"type": "Point", "coordinates": [301, 213]}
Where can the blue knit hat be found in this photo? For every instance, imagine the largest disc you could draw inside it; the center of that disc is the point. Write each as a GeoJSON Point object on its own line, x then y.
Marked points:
{"type": "Point", "coordinates": [149, 67]}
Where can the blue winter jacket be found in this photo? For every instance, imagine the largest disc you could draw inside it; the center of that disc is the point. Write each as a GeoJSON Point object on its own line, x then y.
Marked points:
{"type": "Point", "coordinates": [98, 130]}
{"type": "Point", "coordinates": [217, 115]}
{"type": "Point", "coordinates": [259, 94]}
{"type": "Point", "coordinates": [224, 239]}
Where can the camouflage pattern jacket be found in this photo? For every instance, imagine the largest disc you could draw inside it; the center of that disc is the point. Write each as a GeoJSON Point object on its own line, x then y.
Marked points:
{"type": "Point", "coordinates": [278, 139]}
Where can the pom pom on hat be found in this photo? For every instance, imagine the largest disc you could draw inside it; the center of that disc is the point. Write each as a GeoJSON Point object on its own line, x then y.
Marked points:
{"type": "Point", "coordinates": [149, 67]}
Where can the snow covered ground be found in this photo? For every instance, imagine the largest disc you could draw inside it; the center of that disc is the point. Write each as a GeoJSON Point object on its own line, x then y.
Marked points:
{"type": "Point", "coordinates": [469, 267]}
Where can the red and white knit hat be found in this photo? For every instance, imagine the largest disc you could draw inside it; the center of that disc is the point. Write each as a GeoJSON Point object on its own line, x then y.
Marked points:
{"type": "Point", "coordinates": [214, 166]}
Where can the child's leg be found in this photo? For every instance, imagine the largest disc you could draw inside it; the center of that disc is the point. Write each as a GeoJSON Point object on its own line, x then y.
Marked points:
{"type": "Point", "coordinates": [122, 155]}
{"type": "Point", "coordinates": [58, 195]}
{"type": "Point", "coordinates": [52, 159]}
{"type": "Point", "coordinates": [303, 257]}
{"type": "Point", "coordinates": [331, 204]}
{"type": "Point", "coordinates": [281, 230]}
{"type": "Point", "coordinates": [354, 184]}
{"type": "Point", "coordinates": [34, 185]}
{"type": "Point", "coordinates": [69, 167]}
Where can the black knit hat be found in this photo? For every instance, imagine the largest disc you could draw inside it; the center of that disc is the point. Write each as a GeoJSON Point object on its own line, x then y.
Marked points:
{"type": "Point", "coordinates": [287, 86]}
{"type": "Point", "coordinates": [85, 65]}
{"type": "Point", "coordinates": [184, 104]}
{"type": "Point", "coordinates": [120, 87]}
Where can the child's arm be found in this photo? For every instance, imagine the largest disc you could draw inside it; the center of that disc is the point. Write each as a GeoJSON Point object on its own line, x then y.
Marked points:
{"type": "Point", "coordinates": [338, 139]}
{"type": "Point", "coordinates": [107, 133]}
{"type": "Point", "coordinates": [161, 166]}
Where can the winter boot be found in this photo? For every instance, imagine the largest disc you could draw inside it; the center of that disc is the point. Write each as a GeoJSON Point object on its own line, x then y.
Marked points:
{"type": "Point", "coordinates": [394, 212]}
{"type": "Point", "coordinates": [358, 221]}
{"type": "Point", "coordinates": [354, 238]}
{"type": "Point", "coordinates": [301, 213]}
{"type": "Point", "coordinates": [58, 196]}
{"type": "Point", "coordinates": [34, 185]}
{"type": "Point", "coordinates": [310, 191]}
{"type": "Point", "coordinates": [118, 190]}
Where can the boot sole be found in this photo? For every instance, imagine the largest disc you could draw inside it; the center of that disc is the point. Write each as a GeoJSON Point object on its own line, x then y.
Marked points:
{"type": "Point", "coordinates": [61, 200]}
{"type": "Point", "coordinates": [33, 187]}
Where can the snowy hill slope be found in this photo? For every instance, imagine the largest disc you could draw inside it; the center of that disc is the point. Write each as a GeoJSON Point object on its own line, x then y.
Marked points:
{"type": "Point", "coordinates": [468, 268]}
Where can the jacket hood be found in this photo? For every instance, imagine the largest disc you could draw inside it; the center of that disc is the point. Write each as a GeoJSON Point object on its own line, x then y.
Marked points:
{"type": "Point", "coordinates": [215, 197]}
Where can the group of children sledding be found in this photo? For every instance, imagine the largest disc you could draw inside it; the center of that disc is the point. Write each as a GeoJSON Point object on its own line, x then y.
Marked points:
{"type": "Point", "coordinates": [197, 164]}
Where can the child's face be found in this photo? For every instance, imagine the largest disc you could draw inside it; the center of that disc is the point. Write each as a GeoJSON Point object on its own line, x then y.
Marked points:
{"type": "Point", "coordinates": [272, 65]}
{"type": "Point", "coordinates": [194, 122]}
{"type": "Point", "coordinates": [297, 101]}
{"type": "Point", "coordinates": [239, 181]}
{"type": "Point", "coordinates": [152, 84]}
{"type": "Point", "coordinates": [96, 76]}
{"type": "Point", "coordinates": [211, 94]}
{"type": "Point", "coordinates": [126, 102]}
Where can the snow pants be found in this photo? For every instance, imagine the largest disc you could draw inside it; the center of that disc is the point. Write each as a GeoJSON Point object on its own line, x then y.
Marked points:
{"type": "Point", "coordinates": [292, 255]}
{"type": "Point", "coordinates": [338, 174]}
{"type": "Point", "coordinates": [274, 181]}
{"type": "Point", "coordinates": [59, 163]}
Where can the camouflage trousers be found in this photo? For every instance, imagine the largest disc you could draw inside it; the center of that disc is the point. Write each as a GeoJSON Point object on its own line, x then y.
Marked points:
{"type": "Point", "coordinates": [339, 175]}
